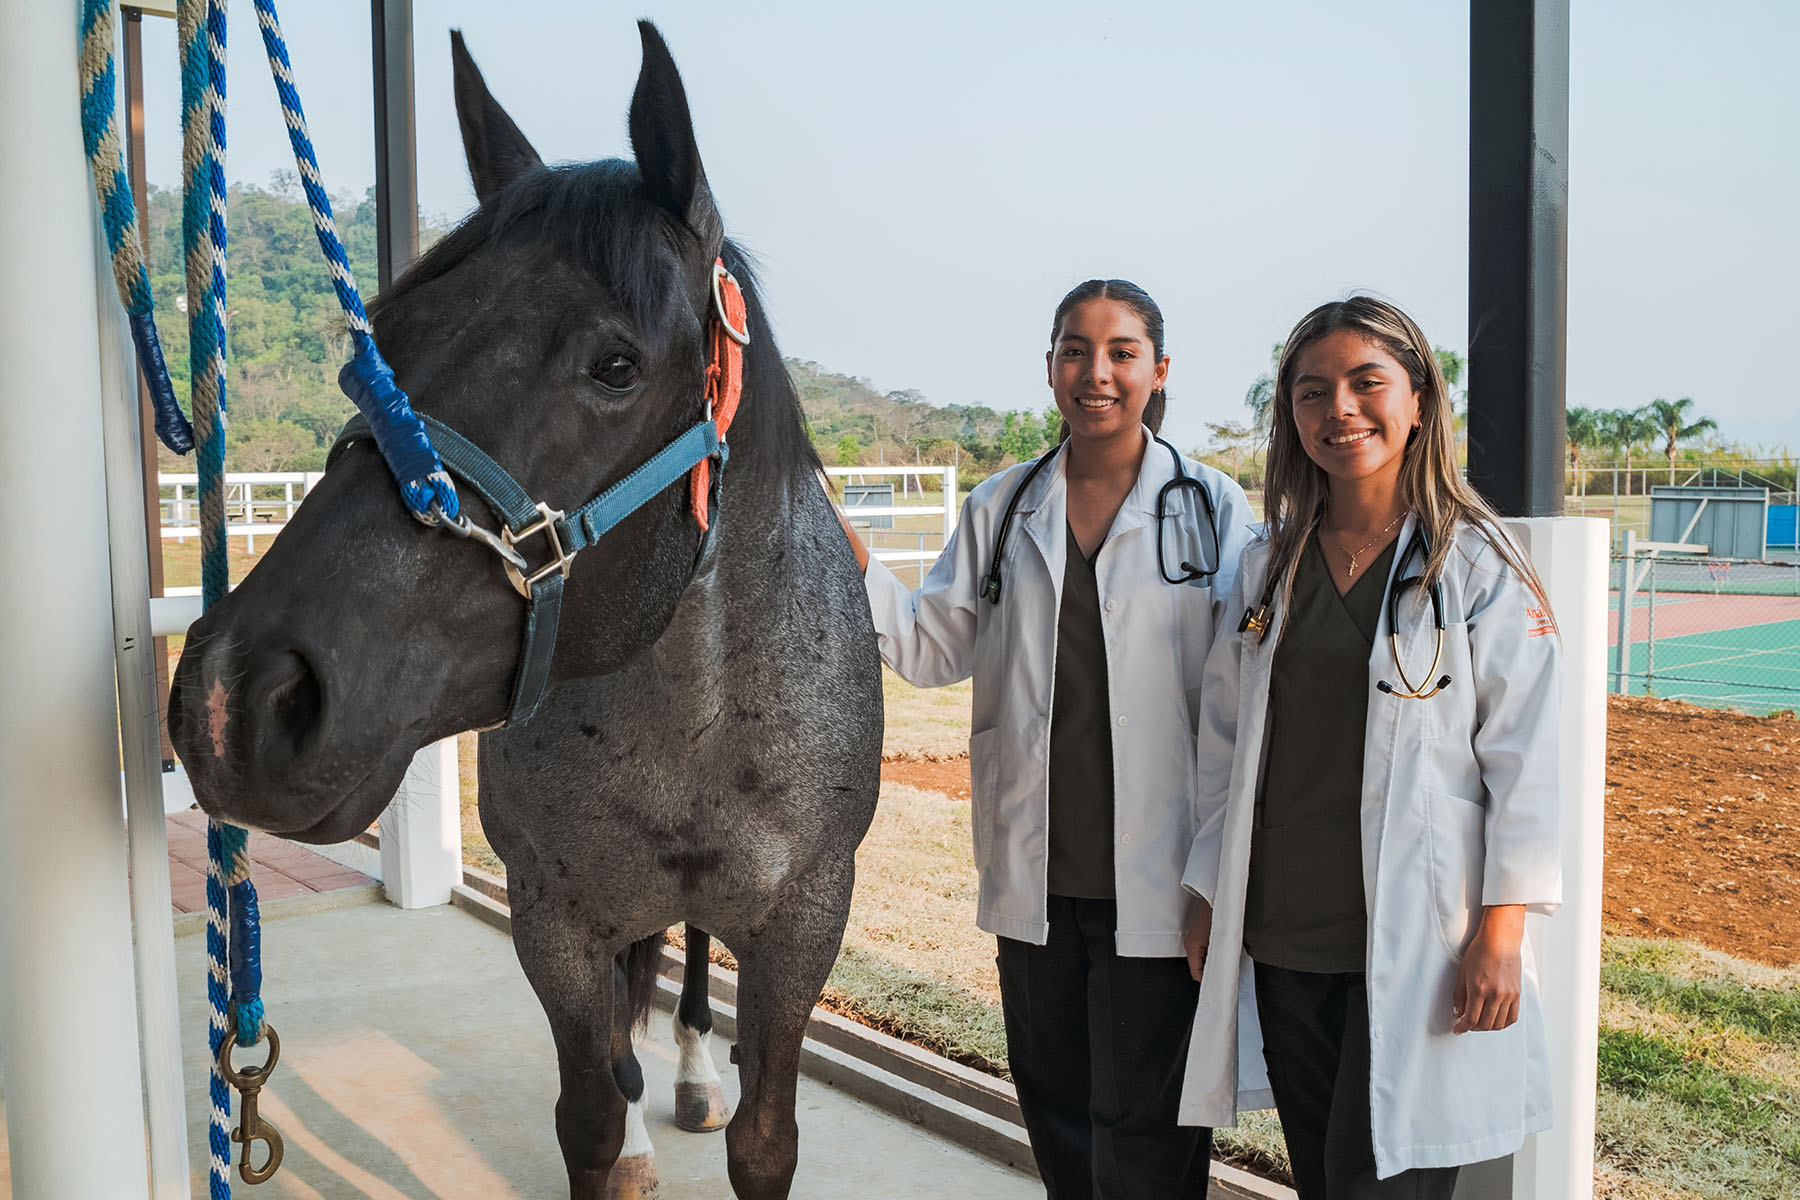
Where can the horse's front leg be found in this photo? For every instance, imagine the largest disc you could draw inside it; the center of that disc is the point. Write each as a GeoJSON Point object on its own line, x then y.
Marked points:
{"type": "Point", "coordinates": [700, 1105]}
{"type": "Point", "coordinates": [781, 967]}
{"type": "Point", "coordinates": [573, 973]}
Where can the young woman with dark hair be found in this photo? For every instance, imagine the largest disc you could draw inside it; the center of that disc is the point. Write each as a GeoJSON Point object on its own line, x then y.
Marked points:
{"type": "Point", "coordinates": [1079, 591]}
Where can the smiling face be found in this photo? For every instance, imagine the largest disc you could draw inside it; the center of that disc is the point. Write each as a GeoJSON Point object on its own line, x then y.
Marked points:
{"type": "Point", "coordinates": [1354, 408]}
{"type": "Point", "coordinates": [1102, 369]}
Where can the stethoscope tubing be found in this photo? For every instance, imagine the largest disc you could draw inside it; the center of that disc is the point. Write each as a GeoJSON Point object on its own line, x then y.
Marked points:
{"type": "Point", "coordinates": [991, 584]}
{"type": "Point", "coordinates": [1257, 620]}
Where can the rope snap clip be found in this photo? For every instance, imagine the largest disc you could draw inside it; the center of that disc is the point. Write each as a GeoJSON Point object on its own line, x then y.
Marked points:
{"type": "Point", "coordinates": [251, 1127]}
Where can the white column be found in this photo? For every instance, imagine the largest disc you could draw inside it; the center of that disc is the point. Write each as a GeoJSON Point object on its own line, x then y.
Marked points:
{"type": "Point", "coordinates": [1570, 554]}
{"type": "Point", "coordinates": [68, 1018]}
{"type": "Point", "coordinates": [140, 745]}
{"type": "Point", "coordinates": [421, 831]}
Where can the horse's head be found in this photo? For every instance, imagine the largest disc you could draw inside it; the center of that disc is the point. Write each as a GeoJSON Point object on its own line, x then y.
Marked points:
{"type": "Point", "coordinates": [562, 329]}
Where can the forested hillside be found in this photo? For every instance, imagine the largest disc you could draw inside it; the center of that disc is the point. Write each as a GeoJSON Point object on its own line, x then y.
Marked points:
{"type": "Point", "coordinates": [286, 341]}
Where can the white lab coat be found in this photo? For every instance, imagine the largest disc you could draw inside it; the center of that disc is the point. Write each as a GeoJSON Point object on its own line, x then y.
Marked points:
{"type": "Point", "coordinates": [1459, 810]}
{"type": "Point", "coordinates": [1157, 635]}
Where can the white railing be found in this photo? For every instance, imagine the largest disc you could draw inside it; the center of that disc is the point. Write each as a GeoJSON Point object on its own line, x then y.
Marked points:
{"type": "Point", "coordinates": [881, 540]}
{"type": "Point", "coordinates": [247, 513]}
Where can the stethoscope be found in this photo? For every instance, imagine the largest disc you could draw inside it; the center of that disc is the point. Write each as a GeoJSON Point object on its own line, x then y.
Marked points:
{"type": "Point", "coordinates": [1258, 619]}
{"type": "Point", "coordinates": [990, 586]}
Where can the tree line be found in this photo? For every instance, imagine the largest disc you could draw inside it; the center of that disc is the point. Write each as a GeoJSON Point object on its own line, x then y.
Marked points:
{"type": "Point", "coordinates": [286, 341]}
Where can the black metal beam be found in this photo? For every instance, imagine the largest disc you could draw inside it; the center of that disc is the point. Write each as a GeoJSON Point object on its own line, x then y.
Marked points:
{"type": "Point", "coordinates": [1518, 251]}
{"type": "Point", "coordinates": [396, 160]}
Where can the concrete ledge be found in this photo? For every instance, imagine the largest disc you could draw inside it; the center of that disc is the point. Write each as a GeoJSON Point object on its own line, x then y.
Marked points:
{"type": "Point", "coordinates": [292, 906]}
{"type": "Point", "coordinates": [970, 1108]}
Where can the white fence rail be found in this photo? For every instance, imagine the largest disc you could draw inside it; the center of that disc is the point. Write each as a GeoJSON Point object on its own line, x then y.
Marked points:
{"type": "Point", "coordinates": [256, 502]}
{"type": "Point", "coordinates": [901, 534]}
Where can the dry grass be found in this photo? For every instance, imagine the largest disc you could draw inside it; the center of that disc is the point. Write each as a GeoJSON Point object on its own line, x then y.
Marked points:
{"type": "Point", "coordinates": [928, 723]}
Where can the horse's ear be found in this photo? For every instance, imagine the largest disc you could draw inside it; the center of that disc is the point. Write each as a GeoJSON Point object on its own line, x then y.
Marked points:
{"type": "Point", "coordinates": [498, 152]}
{"type": "Point", "coordinates": [662, 137]}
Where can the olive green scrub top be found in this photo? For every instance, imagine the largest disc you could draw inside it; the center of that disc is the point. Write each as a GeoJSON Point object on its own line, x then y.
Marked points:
{"type": "Point", "coordinates": [1304, 908]}
{"type": "Point", "coordinates": [1081, 761]}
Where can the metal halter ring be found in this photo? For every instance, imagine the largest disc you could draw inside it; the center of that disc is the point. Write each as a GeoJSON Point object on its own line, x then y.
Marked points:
{"type": "Point", "coordinates": [559, 557]}
{"type": "Point", "coordinates": [740, 336]}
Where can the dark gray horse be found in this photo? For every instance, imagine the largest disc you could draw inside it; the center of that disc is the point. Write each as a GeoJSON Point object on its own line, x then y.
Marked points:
{"type": "Point", "coordinates": [709, 749]}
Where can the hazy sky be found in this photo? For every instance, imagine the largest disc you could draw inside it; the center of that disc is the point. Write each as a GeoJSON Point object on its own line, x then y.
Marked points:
{"type": "Point", "coordinates": [923, 182]}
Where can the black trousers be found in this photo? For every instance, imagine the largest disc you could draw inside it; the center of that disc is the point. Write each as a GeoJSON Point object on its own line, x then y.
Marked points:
{"type": "Point", "coordinates": [1098, 1045]}
{"type": "Point", "coordinates": [1315, 1032]}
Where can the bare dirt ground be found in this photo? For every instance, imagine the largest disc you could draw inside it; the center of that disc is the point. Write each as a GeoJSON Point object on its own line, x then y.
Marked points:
{"type": "Point", "coordinates": [1702, 824]}
{"type": "Point", "coordinates": [1703, 827]}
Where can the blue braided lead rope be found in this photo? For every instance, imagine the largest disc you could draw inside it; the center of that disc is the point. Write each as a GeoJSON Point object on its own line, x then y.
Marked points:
{"type": "Point", "coordinates": [218, 994]}
{"type": "Point", "coordinates": [201, 33]}
{"type": "Point", "coordinates": [100, 137]}
{"type": "Point", "coordinates": [424, 483]}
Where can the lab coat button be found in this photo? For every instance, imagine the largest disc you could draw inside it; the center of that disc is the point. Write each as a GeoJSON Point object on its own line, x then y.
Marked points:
{"type": "Point", "coordinates": [1111, 605]}
{"type": "Point", "coordinates": [1124, 721]}
{"type": "Point", "coordinates": [1124, 839]}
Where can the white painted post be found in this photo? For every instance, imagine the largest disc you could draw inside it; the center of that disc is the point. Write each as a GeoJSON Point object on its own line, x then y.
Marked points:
{"type": "Point", "coordinates": [68, 1017]}
{"type": "Point", "coordinates": [140, 747]}
{"type": "Point", "coordinates": [949, 503]}
{"type": "Point", "coordinates": [421, 831]}
{"type": "Point", "coordinates": [1570, 554]}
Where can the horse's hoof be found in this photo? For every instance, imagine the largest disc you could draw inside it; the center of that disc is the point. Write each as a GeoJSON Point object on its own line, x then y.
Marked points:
{"type": "Point", "coordinates": [701, 1107]}
{"type": "Point", "coordinates": [633, 1177]}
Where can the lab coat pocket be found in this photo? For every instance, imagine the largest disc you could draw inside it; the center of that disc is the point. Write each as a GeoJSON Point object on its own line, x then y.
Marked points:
{"type": "Point", "coordinates": [984, 779]}
{"type": "Point", "coordinates": [1455, 831]}
{"type": "Point", "coordinates": [1450, 713]}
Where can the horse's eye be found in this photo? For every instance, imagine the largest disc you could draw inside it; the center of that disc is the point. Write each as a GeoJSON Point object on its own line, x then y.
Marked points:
{"type": "Point", "coordinates": [615, 373]}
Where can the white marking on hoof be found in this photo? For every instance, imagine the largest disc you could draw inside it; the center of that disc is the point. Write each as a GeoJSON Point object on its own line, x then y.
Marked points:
{"type": "Point", "coordinates": [633, 1176]}
{"type": "Point", "coordinates": [700, 1105]}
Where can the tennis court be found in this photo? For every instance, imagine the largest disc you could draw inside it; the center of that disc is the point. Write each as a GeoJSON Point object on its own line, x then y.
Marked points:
{"type": "Point", "coordinates": [1715, 633]}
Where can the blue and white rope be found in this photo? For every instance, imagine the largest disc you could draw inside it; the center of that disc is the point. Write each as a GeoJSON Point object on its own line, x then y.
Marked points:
{"type": "Point", "coordinates": [425, 485]}
{"type": "Point", "coordinates": [100, 137]}
{"type": "Point", "coordinates": [200, 26]}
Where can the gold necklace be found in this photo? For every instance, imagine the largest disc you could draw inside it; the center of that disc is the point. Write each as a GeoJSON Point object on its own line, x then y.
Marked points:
{"type": "Point", "coordinates": [1350, 573]}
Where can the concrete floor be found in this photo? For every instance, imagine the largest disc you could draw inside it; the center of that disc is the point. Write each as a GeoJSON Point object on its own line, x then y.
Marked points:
{"type": "Point", "coordinates": [417, 1064]}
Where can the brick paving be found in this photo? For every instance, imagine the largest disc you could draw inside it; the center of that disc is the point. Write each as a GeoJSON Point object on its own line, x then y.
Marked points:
{"type": "Point", "coordinates": [279, 868]}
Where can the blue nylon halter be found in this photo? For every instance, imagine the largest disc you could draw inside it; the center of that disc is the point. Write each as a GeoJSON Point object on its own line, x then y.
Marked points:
{"type": "Point", "coordinates": [567, 534]}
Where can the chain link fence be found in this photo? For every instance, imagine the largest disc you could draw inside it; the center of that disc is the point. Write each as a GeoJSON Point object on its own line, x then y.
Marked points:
{"type": "Point", "coordinates": [1722, 632]}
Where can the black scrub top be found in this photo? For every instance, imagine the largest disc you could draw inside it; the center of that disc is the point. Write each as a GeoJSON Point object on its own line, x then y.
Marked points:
{"type": "Point", "coordinates": [1304, 906]}
{"type": "Point", "coordinates": [1081, 761]}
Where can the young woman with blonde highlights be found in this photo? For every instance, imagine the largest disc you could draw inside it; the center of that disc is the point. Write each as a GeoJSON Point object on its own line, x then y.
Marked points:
{"type": "Point", "coordinates": [1378, 764]}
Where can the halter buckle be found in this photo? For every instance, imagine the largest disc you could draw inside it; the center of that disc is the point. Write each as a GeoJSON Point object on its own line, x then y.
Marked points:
{"type": "Point", "coordinates": [720, 277]}
{"type": "Point", "coordinates": [560, 558]}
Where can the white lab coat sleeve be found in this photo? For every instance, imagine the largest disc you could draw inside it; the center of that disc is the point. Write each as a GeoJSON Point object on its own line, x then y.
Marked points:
{"type": "Point", "coordinates": [928, 635]}
{"type": "Point", "coordinates": [1237, 521]}
{"type": "Point", "coordinates": [1216, 740]}
{"type": "Point", "coordinates": [1516, 656]}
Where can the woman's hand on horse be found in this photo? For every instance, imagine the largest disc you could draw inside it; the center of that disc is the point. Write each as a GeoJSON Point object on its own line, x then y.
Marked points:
{"type": "Point", "coordinates": [856, 543]}
{"type": "Point", "coordinates": [1198, 935]}
{"type": "Point", "coordinates": [1488, 982]}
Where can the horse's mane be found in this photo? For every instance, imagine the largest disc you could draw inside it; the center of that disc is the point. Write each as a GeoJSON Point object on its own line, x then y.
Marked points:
{"type": "Point", "coordinates": [597, 215]}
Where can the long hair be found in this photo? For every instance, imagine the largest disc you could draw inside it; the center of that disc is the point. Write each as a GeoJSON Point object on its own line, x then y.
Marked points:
{"type": "Point", "coordinates": [1138, 301]}
{"type": "Point", "coordinates": [1431, 486]}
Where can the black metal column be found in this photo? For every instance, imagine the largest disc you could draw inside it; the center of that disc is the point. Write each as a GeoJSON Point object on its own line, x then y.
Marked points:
{"type": "Point", "coordinates": [1518, 251]}
{"type": "Point", "coordinates": [396, 162]}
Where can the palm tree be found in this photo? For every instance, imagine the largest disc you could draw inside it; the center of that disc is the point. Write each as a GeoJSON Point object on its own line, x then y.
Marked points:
{"type": "Point", "coordinates": [1454, 366]}
{"type": "Point", "coordinates": [1581, 427]}
{"type": "Point", "coordinates": [1261, 396]}
{"type": "Point", "coordinates": [1667, 416]}
{"type": "Point", "coordinates": [1626, 429]}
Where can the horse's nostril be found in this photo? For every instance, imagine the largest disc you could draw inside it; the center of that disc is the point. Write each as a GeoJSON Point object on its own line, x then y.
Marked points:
{"type": "Point", "coordinates": [288, 697]}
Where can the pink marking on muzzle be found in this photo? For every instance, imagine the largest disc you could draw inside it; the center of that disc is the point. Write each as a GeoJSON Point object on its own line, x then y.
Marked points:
{"type": "Point", "coordinates": [216, 716]}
